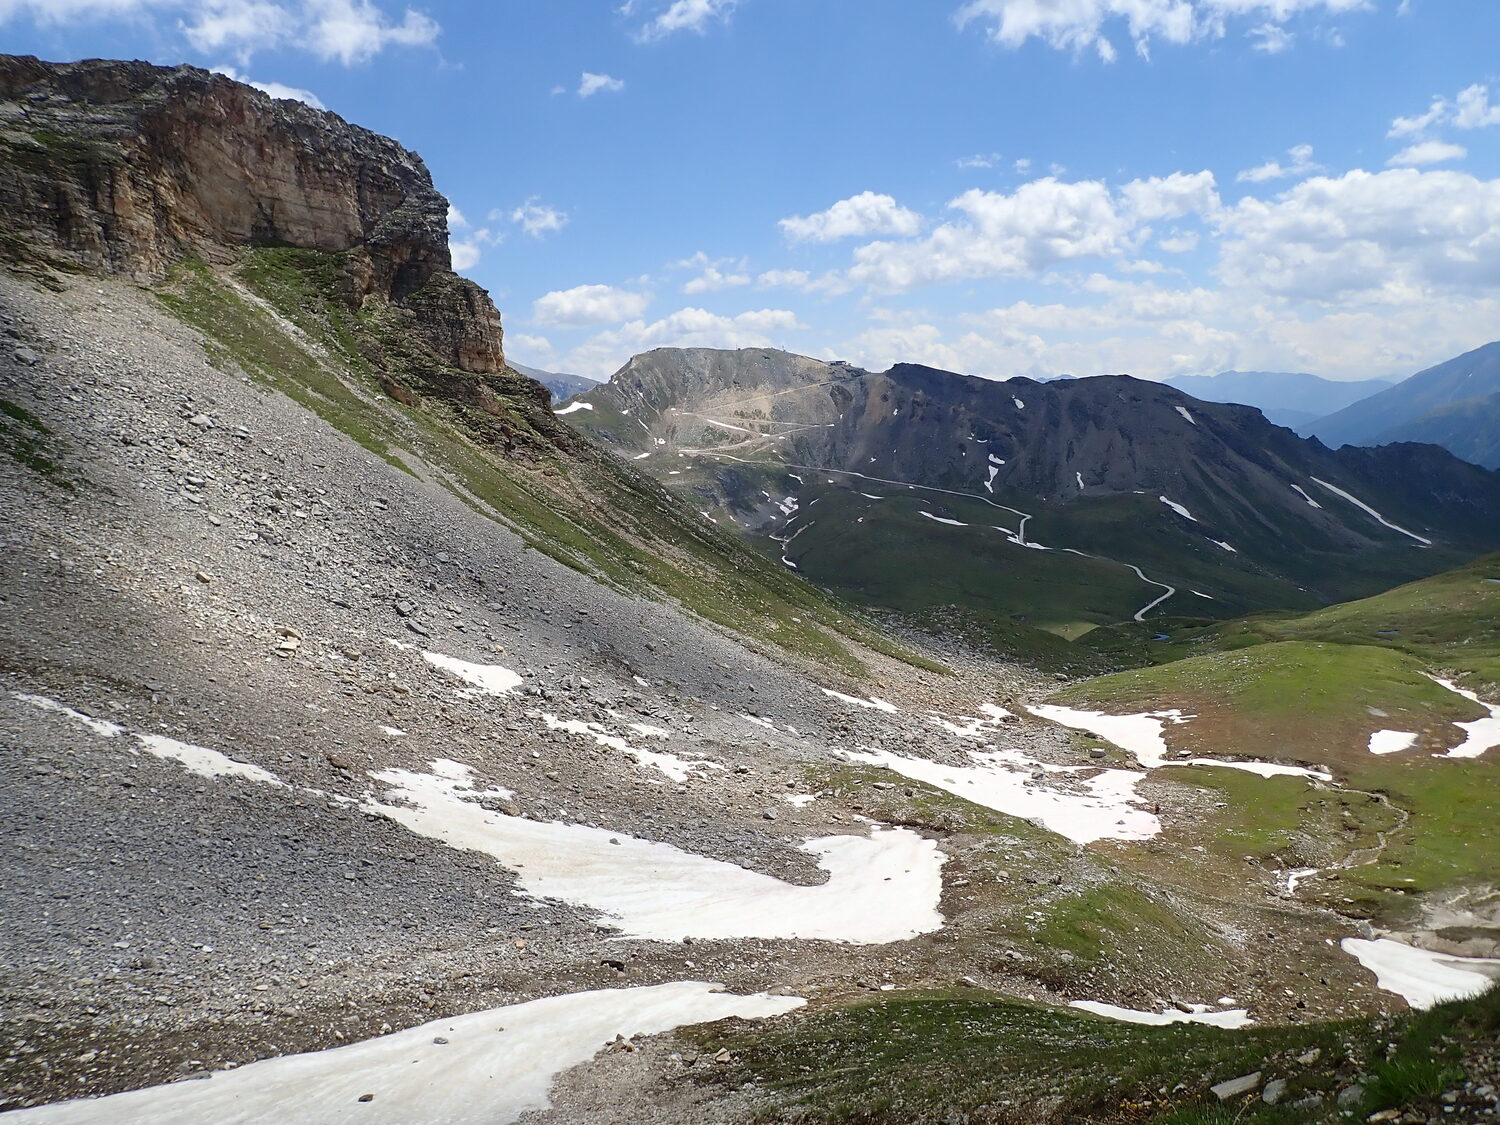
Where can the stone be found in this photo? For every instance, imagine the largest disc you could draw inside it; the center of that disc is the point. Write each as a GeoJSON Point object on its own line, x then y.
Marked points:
{"type": "Point", "coordinates": [202, 421]}
{"type": "Point", "coordinates": [1235, 1087]}
{"type": "Point", "coordinates": [1351, 1096]}
{"type": "Point", "coordinates": [1275, 1090]}
{"type": "Point", "coordinates": [27, 357]}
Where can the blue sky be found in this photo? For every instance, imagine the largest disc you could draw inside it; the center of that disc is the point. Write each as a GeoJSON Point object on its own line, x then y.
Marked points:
{"type": "Point", "coordinates": [1001, 187]}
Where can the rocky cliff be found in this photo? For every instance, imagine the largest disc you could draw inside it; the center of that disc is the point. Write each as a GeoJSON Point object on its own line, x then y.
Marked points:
{"type": "Point", "coordinates": [131, 168]}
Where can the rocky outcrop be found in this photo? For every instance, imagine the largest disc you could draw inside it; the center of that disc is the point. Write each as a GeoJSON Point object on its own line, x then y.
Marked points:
{"type": "Point", "coordinates": [130, 168]}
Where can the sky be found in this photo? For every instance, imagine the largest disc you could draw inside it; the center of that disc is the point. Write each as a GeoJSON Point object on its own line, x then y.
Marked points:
{"type": "Point", "coordinates": [996, 187]}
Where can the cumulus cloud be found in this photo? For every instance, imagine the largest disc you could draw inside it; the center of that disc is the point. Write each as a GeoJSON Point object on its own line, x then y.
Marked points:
{"type": "Point", "coordinates": [601, 355]}
{"type": "Point", "coordinates": [1391, 236]}
{"type": "Point", "coordinates": [1171, 197]}
{"type": "Point", "coordinates": [856, 217]}
{"type": "Point", "coordinates": [1300, 163]}
{"type": "Point", "coordinates": [349, 31]}
{"type": "Point", "coordinates": [1082, 25]}
{"type": "Point", "coordinates": [682, 15]}
{"type": "Point", "coordinates": [465, 254]}
{"type": "Point", "coordinates": [536, 218]}
{"type": "Point", "coordinates": [586, 305]}
{"type": "Point", "coordinates": [591, 84]}
{"type": "Point", "coordinates": [1469, 109]}
{"type": "Point", "coordinates": [274, 89]}
{"type": "Point", "coordinates": [1041, 224]}
{"type": "Point", "coordinates": [1427, 152]}
{"type": "Point", "coordinates": [712, 280]}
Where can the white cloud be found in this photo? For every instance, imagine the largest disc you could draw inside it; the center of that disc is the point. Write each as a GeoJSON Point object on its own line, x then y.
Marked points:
{"type": "Point", "coordinates": [350, 31]}
{"type": "Point", "coordinates": [1179, 242]}
{"type": "Point", "coordinates": [354, 31]}
{"type": "Point", "coordinates": [1393, 237]}
{"type": "Point", "coordinates": [465, 255]}
{"type": "Point", "coordinates": [1041, 224]}
{"type": "Point", "coordinates": [1301, 164]}
{"type": "Point", "coordinates": [536, 218]}
{"type": "Point", "coordinates": [1270, 38]}
{"type": "Point", "coordinates": [585, 305]}
{"type": "Point", "coordinates": [274, 89]}
{"type": "Point", "coordinates": [603, 354]}
{"type": "Point", "coordinates": [538, 350]}
{"type": "Point", "coordinates": [978, 160]}
{"type": "Point", "coordinates": [1081, 25]}
{"type": "Point", "coordinates": [1427, 152]}
{"type": "Point", "coordinates": [1470, 109]}
{"type": "Point", "coordinates": [856, 217]}
{"type": "Point", "coordinates": [711, 280]}
{"type": "Point", "coordinates": [456, 220]}
{"type": "Point", "coordinates": [591, 84]}
{"type": "Point", "coordinates": [1171, 197]}
{"type": "Point", "coordinates": [683, 15]}
{"type": "Point", "coordinates": [1419, 123]}
{"type": "Point", "coordinates": [829, 284]}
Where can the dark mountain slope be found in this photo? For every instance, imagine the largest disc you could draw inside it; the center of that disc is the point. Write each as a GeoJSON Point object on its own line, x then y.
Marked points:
{"type": "Point", "coordinates": [1205, 497]}
{"type": "Point", "coordinates": [1452, 402]}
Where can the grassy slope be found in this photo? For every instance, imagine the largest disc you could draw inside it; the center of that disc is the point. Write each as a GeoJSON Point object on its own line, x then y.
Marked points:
{"type": "Point", "coordinates": [1312, 688]}
{"type": "Point", "coordinates": [942, 1056]}
{"type": "Point", "coordinates": [586, 511]}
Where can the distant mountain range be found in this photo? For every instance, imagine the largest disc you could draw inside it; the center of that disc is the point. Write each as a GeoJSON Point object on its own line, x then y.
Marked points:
{"type": "Point", "coordinates": [1061, 505]}
{"type": "Point", "coordinates": [1455, 404]}
{"type": "Point", "coordinates": [562, 386]}
{"type": "Point", "coordinates": [1288, 398]}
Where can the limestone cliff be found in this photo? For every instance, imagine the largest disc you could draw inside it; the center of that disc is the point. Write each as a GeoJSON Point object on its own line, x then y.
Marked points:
{"type": "Point", "coordinates": [130, 168]}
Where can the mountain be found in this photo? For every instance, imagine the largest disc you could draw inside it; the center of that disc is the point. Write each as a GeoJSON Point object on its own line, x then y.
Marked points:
{"type": "Point", "coordinates": [1288, 398]}
{"type": "Point", "coordinates": [1097, 499]}
{"type": "Point", "coordinates": [376, 748]}
{"type": "Point", "coordinates": [562, 386]}
{"type": "Point", "coordinates": [1455, 404]}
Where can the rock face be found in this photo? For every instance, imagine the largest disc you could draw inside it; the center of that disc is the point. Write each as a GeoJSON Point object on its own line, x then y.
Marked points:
{"type": "Point", "coordinates": [131, 168]}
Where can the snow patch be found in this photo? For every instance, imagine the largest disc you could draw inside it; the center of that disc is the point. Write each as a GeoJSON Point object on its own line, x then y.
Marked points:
{"type": "Point", "coordinates": [1420, 977]}
{"type": "Point", "coordinates": [1178, 508]}
{"type": "Point", "coordinates": [1234, 1017]}
{"type": "Point", "coordinates": [486, 1067]}
{"type": "Point", "coordinates": [940, 519]}
{"type": "Point", "coordinates": [1300, 491]}
{"type": "Point", "coordinates": [485, 679]}
{"type": "Point", "coordinates": [877, 704]}
{"type": "Point", "coordinates": [102, 727]}
{"type": "Point", "coordinates": [1392, 741]}
{"type": "Point", "coordinates": [1362, 506]}
{"type": "Point", "coordinates": [1141, 736]}
{"type": "Point", "coordinates": [203, 761]}
{"type": "Point", "coordinates": [574, 408]}
{"type": "Point", "coordinates": [1483, 734]}
{"type": "Point", "coordinates": [881, 888]}
{"type": "Point", "coordinates": [1083, 809]}
{"type": "Point", "coordinates": [1080, 481]}
{"type": "Point", "coordinates": [1019, 404]}
{"type": "Point", "coordinates": [1223, 546]}
{"type": "Point", "coordinates": [677, 769]}
{"type": "Point", "coordinates": [1184, 412]}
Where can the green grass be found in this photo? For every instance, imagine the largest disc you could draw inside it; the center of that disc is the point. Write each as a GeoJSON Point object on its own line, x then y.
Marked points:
{"type": "Point", "coordinates": [1307, 701]}
{"type": "Point", "coordinates": [941, 1056]}
{"type": "Point", "coordinates": [25, 439]}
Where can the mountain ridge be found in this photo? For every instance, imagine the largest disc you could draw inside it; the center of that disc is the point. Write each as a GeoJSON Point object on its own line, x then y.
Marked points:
{"type": "Point", "coordinates": [1081, 465]}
